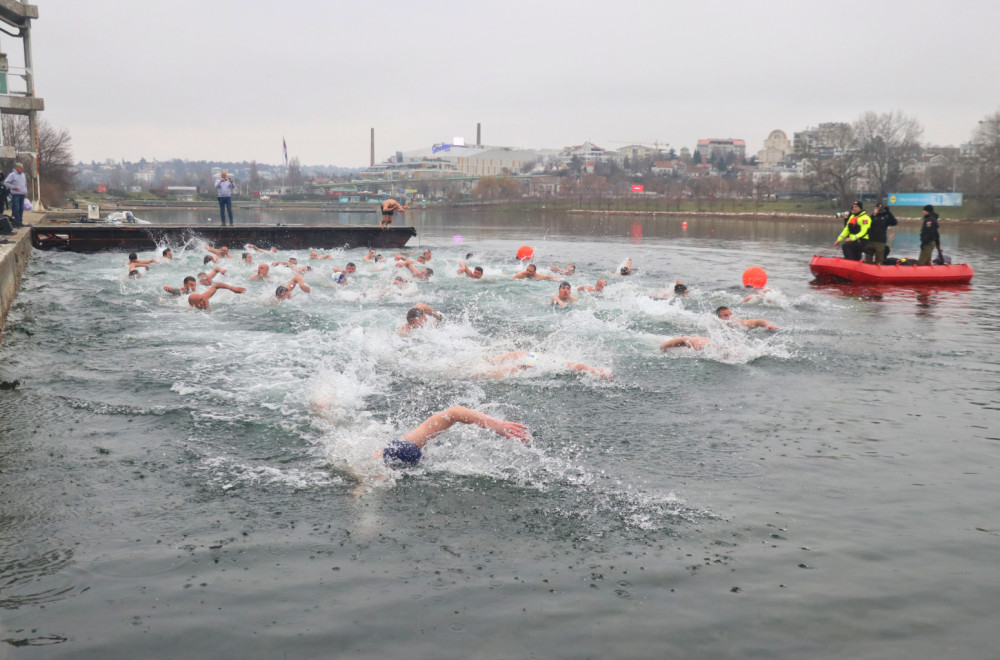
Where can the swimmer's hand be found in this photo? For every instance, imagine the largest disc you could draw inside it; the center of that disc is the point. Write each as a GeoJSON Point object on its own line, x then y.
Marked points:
{"type": "Point", "coordinates": [512, 430]}
{"type": "Point", "coordinates": [238, 289]}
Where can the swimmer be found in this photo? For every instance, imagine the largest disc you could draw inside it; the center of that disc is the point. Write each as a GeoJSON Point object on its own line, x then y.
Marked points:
{"type": "Point", "coordinates": [200, 300]}
{"type": "Point", "coordinates": [625, 270]}
{"type": "Point", "coordinates": [389, 207]}
{"type": "Point", "coordinates": [209, 259]}
{"type": "Point", "coordinates": [511, 363]}
{"type": "Point", "coordinates": [597, 288]}
{"type": "Point", "coordinates": [568, 270]}
{"type": "Point", "coordinates": [221, 253]}
{"type": "Point", "coordinates": [257, 249]}
{"type": "Point", "coordinates": [134, 260]}
{"type": "Point", "coordinates": [696, 343]}
{"type": "Point", "coordinates": [349, 268]}
{"type": "Point", "coordinates": [475, 273]}
{"type": "Point", "coordinates": [247, 258]}
{"type": "Point", "coordinates": [205, 279]}
{"type": "Point", "coordinates": [263, 273]}
{"type": "Point", "coordinates": [417, 273]}
{"type": "Point", "coordinates": [416, 317]}
{"type": "Point", "coordinates": [285, 292]}
{"type": "Point", "coordinates": [408, 449]}
{"type": "Point", "coordinates": [531, 273]}
{"type": "Point", "coordinates": [168, 253]}
{"type": "Point", "coordinates": [189, 286]}
{"type": "Point", "coordinates": [755, 294]}
{"type": "Point", "coordinates": [316, 255]}
{"type": "Point", "coordinates": [292, 263]}
{"type": "Point", "coordinates": [680, 290]}
{"type": "Point", "coordinates": [370, 256]}
{"type": "Point", "coordinates": [426, 256]}
{"type": "Point", "coordinates": [565, 295]}
{"type": "Point", "coordinates": [726, 315]}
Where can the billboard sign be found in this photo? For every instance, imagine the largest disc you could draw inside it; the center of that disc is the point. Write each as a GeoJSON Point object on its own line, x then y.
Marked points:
{"type": "Point", "coordinates": [638, 187]}
{"type": "Point", "coordinates": [922, 199]}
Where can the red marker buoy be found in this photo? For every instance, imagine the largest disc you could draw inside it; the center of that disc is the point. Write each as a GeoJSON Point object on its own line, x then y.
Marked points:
{"type": "Point", "coordinates": [684, 225]}
{"type": "Point", "coordinates": [755, 277]}
{"type": "Point", "coordinates": [525, 252]}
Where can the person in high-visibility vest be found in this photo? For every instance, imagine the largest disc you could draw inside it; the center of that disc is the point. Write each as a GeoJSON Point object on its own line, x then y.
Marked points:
{"type": "Point", "coordinates": [855, 232]}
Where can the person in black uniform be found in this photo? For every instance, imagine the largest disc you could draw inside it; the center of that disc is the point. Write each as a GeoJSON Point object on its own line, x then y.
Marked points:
{"type": "Point", "coordinates": [874, 247]}
{"type": "Point", "coordinates": [929, 237]}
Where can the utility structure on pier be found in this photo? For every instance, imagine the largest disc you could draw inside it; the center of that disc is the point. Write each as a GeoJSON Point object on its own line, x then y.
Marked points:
{"type": "Point", "coordinates": [17, 91]}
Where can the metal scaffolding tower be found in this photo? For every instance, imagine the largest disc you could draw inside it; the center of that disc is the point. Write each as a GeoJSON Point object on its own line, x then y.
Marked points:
{"type": "Point", "coordinates": [17, 85]}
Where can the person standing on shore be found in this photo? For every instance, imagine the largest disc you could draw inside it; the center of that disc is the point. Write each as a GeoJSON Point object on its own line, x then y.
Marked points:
{"type": "Point", "coordinates": [17, 183]}
{"type": "Point", "coordinates": [3, 194]}
{"type": "Point", "coordinates": [224, 185]}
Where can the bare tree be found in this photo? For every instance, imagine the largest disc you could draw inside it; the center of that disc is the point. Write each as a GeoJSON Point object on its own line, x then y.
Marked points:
{"type": "Point", "coordinates": [888, 142]}
{"type": "Point", "coordinates": [837, 173]}
{"type": "Point", "coordinates": [55, 154]}
{"type": "Point", "coordinates": [985, 160]}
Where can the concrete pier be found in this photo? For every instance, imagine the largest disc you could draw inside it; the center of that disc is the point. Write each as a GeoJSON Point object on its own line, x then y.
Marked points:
{"type": "Point", "coordinates": [14, 256]}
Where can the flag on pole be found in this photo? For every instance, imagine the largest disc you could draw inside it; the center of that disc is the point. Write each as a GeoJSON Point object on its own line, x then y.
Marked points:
{"type": "Point", "coordinates": [284, 146]}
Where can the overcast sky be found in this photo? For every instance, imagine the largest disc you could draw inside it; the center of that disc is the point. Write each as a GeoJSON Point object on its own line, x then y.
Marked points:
{"type": "Point", "coordinates": [226, 80]}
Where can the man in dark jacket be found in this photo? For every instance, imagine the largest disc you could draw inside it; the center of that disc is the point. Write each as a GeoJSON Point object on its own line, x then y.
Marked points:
{"type": "Point", "coordinates": [929, 237]}
{"type": "Point", "coordinates": [874, 247]}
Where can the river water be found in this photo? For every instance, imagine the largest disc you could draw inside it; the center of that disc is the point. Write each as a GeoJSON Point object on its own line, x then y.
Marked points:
{"type": "Point", "coordinates": [182, 484]}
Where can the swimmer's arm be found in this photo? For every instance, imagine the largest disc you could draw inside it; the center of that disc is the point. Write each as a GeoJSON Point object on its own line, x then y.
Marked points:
{"type": "Point", "coordinates": [579, 366]}
{"type": "Point", "coordinates": [428, 309]}
{"type": "Point", "coordinates": [758, 323]}
{"type": "Point", "coordinates": [172, 290]}
{"type": "Point", "coordinates": [444, 420]}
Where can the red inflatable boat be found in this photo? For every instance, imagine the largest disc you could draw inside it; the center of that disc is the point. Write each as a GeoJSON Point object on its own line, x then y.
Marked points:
{"type": "Point", "coordinates": [835, 269]}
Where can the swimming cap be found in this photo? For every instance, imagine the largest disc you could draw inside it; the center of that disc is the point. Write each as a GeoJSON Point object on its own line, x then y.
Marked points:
{"type": "Point", "coordinates": [401, 453]}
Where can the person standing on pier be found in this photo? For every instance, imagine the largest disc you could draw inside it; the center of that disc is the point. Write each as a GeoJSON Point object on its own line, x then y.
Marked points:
{"type": "Point", "coordinates": [389, 207]}
{"type": "Point", "coordinates": [17, 183]}
{"type": "Point", "coordinates": [224, 184]}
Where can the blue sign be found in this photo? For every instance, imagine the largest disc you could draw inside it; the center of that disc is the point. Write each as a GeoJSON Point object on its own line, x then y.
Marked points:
{"type": "Point", "coordinates": [922, 199]}
{"type": "Point", "coordinates": [440, 147]}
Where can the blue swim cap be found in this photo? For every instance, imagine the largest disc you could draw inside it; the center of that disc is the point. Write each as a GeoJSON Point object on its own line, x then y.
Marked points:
{"type": "Point", "coordinates": [401, 453]}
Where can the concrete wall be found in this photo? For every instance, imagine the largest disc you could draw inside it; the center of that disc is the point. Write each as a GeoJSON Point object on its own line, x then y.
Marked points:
{"type": "Point", "coordinates": [13, 260]}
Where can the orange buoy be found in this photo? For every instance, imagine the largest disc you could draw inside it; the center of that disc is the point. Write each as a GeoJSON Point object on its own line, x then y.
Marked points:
{"type": "Point", "coordinates": [755, 277]}
{"type": "Point", "coordinates": [684, 225]}
{"type": "Point", "coordinates": [525, 252]}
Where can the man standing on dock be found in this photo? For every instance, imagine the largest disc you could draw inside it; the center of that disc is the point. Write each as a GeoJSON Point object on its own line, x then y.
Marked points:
{"type": "Point", "coordinates": [17, 183]}
{"type": "Point", "coordinates": [224, 184]}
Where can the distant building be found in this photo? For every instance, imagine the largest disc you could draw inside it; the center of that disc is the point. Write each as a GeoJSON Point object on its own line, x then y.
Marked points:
{"type": "Point", "coordinates": [777, 148]}
{"type": "Point", "coordinates": [827, 141]}
{"type": "Point", "coordinates": [728, 149]}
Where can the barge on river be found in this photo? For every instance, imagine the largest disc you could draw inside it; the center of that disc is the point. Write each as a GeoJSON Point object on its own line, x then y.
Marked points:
{"type": "Point", "coordinates": [836, 269]}
{"type": "Point", "coordinates": [86, 237]}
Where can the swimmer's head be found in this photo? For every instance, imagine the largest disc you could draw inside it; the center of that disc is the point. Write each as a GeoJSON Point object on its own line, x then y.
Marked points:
{"type": "Point", "coordinates": [134, 273]}
{"type": "Point", "coordinates": [428, 272]}
{"type": "Point", "coordinates": [168, 253]}
{"type": "Point", "coordinates": [600, 285]}
{"type": "Point", "coordinates": [626, 270]}
{"type": "Point", "coordinates": [414, 315]}
{"type": "Point", "coordinates": [724, 313]}
{"type": "Point", "coordinates": [282, 292]}
{"type": "Point", "coordinates": [132, 256]}
{"type": "Point", "coordinates": [350, 268]}
{"type": "Point", "coordinates": [207, 260]}
{"type": "Point", "coordinates": [680, 289]}
{"type": "Point", "coordinates": [401, 454]}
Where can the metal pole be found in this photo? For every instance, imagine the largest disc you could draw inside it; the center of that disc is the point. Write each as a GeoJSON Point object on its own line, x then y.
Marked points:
{"type": "Point", "coordinates": [29, 80]}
